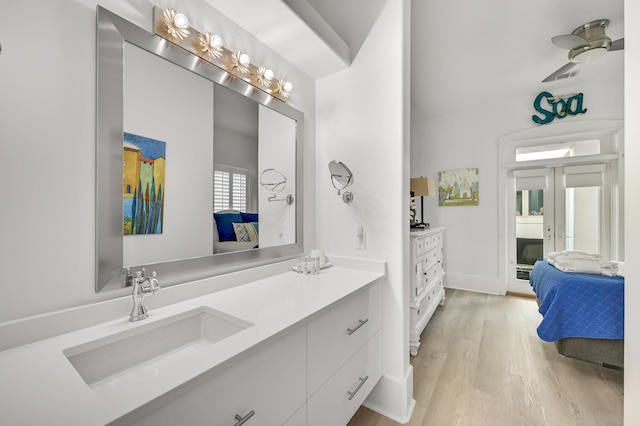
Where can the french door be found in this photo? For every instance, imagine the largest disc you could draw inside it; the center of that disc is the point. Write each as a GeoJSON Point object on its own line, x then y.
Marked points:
{"type": "Point", "coordinates": [556, 208]}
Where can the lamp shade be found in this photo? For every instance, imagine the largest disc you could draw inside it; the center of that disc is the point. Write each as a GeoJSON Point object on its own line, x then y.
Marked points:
{"type": "Point", "coordinates": [423, 186]}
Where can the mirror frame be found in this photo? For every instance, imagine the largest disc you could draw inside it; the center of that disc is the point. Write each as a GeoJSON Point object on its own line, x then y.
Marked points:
{"type": "Point", "coordinates": [112, 33]}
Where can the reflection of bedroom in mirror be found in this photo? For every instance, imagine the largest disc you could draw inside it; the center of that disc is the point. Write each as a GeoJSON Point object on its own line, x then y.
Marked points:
{"type": "Point", "coordinates": [235, 153]}
{"type": "Point", "coordinates": [216, 142]}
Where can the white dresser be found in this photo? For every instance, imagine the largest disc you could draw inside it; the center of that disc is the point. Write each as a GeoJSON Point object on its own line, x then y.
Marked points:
{"type": "Point", "coordinates": [426, 280]}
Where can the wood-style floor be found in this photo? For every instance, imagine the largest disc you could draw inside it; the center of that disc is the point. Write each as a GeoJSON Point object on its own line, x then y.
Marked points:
{"type": "Point", "coordinates": [481, 362]}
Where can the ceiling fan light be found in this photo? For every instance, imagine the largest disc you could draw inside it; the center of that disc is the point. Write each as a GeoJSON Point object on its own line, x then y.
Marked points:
{"type": "Point", "coordinates": [586, 54]}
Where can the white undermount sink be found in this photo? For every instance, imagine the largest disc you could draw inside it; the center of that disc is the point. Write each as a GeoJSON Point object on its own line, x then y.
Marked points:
{"type": "Point", "coordinates": [147, 348]}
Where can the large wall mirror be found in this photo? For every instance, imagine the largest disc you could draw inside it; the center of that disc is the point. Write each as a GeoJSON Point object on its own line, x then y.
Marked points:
{"type": "Point", "coordinates": [180, 148]}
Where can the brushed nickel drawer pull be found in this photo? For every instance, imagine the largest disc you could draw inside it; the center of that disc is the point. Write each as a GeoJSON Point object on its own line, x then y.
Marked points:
{"type": "Point", "coordinates": [350, 331]}
{"type": "Point", "coordinates": [355, 391]}
{"type": "Point", "coordinates": [243, 420]}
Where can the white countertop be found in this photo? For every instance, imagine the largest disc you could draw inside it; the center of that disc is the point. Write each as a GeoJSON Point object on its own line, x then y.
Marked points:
{"type": "Point", "coordinates": [39, 385]}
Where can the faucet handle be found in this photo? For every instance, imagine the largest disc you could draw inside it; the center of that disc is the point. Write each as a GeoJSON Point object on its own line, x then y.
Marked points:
{"type": "Point", "coordinates": [155, 285]}
{"type": "Point", "coordinates": [128, 278]}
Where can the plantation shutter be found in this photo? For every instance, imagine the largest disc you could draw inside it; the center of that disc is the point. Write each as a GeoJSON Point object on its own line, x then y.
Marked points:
{"type": "Point", "coordinates": [229, 188]}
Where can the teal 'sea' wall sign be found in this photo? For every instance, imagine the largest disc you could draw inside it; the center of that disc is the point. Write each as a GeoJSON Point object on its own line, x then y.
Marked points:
{"type": "Point", "coordinates": [557, 108]}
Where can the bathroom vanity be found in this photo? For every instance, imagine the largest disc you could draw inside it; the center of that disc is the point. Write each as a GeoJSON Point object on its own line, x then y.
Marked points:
{"type": "Point", "coordinates": [288, 349]}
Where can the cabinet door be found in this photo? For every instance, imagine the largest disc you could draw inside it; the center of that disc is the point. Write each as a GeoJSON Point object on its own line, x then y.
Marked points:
{"type": "Point", "coordinates": [266, 389]}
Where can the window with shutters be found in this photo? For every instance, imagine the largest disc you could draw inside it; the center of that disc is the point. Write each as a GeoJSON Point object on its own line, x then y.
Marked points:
{"type": "Point", "coordinates": [229, 188]}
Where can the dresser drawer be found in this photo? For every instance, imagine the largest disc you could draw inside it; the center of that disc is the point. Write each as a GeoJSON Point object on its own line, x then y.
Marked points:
{"type": "Point", "coordinates": [339, 398]}
{"type": "Point", "coordinates": [436, 239]}
{"type": "Point", "coordinates": [432, 257]}
{"type": "Point", "coordinates": [420, 245]}
{"type": "Point", "coordinates": [428, 302]}
{"type": "Point", "coordinates": [428, 277]}
{"type": "Point", "coordinates": [339, 333]}
{"type": "Point", "coordinates": [432, 274]}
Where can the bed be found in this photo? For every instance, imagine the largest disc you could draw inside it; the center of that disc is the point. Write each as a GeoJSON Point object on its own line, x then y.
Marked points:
{"type": "Point", "coordinates": [234, 230]}
{"type": "Point", "coordinates": [582, 313]}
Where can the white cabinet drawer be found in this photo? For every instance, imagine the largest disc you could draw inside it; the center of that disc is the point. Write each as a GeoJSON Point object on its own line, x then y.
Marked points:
{"type": "Point", "coordinates": [417, 283]}
{"type": "Point", "coordinates": [419, 248]}
{"type": "Point", "coordinates": [331, 404]}
{"type": "Point", "coordinates": [270, 383]}
{"type": "Point", "coordinates": [427, 303]}
{"type": "Point", "coordinates": [432, 257]}
{"type": "Point", "coordinates": [432, 275]}
{"type": "Point", "coordinates": [299, 418]}
{"type": "Point", "coordinates": [338, 334]}
{"type": "Point", "coordinates": [436, 239]}
{"type": "Point", "coordinates": [427, 243]}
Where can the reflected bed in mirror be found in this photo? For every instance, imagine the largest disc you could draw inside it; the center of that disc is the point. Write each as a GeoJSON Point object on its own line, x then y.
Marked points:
{"type": "Point", "coordinates": [218, 133]}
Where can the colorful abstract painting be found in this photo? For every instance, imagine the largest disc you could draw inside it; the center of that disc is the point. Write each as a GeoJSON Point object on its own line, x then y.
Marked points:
{"type": "Point", "coordinates": [458, 187]}
{"type": "Point", "coordinates": [144, 165]}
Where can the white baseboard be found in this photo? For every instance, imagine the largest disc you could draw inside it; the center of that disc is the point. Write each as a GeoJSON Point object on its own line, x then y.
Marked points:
{"type": "Point", "coordinates": [393, 397]}
{"type": "Point", "coordinates": [479, 284]}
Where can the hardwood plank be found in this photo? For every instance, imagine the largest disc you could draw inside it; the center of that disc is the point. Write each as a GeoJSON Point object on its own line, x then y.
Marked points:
{"type": "Point", "coordinates": [481, 362]}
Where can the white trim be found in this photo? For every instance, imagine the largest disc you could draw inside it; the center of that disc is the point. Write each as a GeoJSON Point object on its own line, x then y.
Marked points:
{"type": "Point", "coordinates": [476, 283]}
{"type": "Point", "coordinates": [393, 397]}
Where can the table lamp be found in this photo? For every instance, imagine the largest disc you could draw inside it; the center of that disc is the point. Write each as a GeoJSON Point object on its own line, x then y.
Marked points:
{"type": "Point", "coordinates": [422, 187]}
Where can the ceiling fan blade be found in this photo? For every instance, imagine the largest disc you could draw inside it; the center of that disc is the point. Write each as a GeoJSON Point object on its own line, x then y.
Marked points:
{"type": "Point", "coordinates": [559, 73]}
{"type": "Point", "coordinates": [569, 41]}
{"type": "Point", "coordinates": [617, 45]}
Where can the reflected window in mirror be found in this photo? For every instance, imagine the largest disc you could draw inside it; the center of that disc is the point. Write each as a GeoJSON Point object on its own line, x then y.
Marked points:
{"type": "Point", "coordinates": [230, 190]}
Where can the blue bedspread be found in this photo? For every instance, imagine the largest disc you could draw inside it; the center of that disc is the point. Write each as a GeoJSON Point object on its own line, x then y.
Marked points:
{"type": "Point", "coordinates": [578, 305]}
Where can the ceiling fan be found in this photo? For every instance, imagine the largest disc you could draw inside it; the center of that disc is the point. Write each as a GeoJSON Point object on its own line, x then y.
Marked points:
{"type": "Point", "coordinates": [585, 43]}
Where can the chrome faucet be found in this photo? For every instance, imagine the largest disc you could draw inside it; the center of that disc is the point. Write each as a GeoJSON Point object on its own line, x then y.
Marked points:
{"type": "Point", "coordinates": [142, 285]}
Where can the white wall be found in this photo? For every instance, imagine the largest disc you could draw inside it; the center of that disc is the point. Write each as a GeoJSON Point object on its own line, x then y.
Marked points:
{"type": "Point", "coordinates": [362, 118]}
{"type": "Point", "coordinates": [468, 138]}
{"type": "Point", "coordinates": [47, 154]}
{"type": "Point", "coordinates": [632, 206]}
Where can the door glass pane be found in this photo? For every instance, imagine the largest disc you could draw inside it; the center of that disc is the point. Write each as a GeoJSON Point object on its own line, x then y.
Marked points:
{"type": "Point", "coordinates": [583, 219]}
{"type": "Point", "coordinates": [536, 202]}
{"type": "Point", "coordinates": [529, 230]}
{"type": "Point", "coordinates": [568, 149]}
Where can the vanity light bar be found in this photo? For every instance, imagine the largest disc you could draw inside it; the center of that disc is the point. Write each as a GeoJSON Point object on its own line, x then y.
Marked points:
{"type": "Point", "coordinates": [174, 27]}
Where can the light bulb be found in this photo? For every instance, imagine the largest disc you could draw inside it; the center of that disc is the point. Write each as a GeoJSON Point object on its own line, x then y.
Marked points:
{"type": "Point", "coordinates": [244, 59]}
{"type": "Point", "coordinates": [216, 41]}
{"type": "Point", "coordinates": [288, 86]}
{"type": "Point", "coordinates": [181, 21]}
{"type": "Point", "coordinates": [268, 74]}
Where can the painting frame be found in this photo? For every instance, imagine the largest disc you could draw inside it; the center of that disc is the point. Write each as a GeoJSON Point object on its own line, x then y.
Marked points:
{"type": "Point", "coordinates": [459, 187]}
{"type": "Point", "coordinates": [143, 188]}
